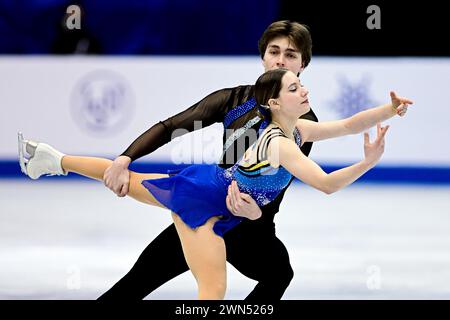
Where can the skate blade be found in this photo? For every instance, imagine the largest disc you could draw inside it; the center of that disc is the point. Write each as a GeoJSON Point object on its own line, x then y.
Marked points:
{"type": "Point", "coordinates": [22, 160]}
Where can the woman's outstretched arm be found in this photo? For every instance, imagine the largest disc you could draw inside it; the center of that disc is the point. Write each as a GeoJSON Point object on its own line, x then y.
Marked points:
{"type": "Point", "coordinates": [312, 131]}
{"type": "Point", "coordinates": [303, 168]}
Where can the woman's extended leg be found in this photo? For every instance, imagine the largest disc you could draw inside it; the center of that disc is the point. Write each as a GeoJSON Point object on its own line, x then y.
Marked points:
{"type": "Point", "coordinates": [204, 251]}
{"type": "Point", "coordinates": [205, 255]}
{"type": "Point", "coordinates": [94, 168]}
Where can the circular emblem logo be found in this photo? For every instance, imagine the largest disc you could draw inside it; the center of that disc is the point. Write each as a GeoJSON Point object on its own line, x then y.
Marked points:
{"type": "Point", "coordinates": [102, 103]}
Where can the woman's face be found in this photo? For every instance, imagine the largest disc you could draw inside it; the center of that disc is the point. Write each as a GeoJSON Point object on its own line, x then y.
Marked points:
{"type": "Point", "coordinates": [281, 53]}
{"type": "Point", "coordinates": [293, 97]}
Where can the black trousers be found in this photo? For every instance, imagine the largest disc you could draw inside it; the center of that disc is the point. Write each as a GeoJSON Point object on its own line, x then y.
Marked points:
{"type": "Point", "coordinates": [252, 248]}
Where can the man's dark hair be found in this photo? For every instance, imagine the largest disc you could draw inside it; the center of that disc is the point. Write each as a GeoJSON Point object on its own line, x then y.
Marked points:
{"type": "Point", "coordinates": [296, 32]}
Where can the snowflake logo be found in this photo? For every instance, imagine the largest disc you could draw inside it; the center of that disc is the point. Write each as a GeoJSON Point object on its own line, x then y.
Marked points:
{"type": "Point", "coordinates": [353, 98]}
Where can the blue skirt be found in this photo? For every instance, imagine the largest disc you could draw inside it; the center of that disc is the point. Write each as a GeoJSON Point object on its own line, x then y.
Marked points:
{"type": "Point", "coordinates": [195, 194]}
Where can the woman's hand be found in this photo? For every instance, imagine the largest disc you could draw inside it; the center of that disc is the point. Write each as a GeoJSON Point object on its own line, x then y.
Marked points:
{"type": "Point", "coordinates": [400, 104]}
{"type": "Point", "coordinates": [241, 204]}
{"type": "Point", "coordinates": [373, 151]}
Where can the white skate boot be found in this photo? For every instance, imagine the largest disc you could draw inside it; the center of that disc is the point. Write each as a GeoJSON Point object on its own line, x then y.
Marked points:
{"type": "Point", "coordinates": [43, 159]}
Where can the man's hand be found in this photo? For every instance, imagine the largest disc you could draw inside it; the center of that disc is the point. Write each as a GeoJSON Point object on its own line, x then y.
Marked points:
{"type": "Point", "coordinates": [117, 176]}
{"type": "Point", "coordinates": [241, 204]}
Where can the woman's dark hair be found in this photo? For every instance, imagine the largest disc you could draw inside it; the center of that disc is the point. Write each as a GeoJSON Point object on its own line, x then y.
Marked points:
{"type": "Point", "coordinates": [268, 87]}
{"type": "Point", "coordinates": [297, 33]}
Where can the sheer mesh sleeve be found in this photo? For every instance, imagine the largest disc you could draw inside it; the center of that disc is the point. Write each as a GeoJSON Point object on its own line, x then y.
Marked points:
{"type": "Point", "coordinates": [306, 147]}
{"type": "Point", "coordinates": [209, 110]}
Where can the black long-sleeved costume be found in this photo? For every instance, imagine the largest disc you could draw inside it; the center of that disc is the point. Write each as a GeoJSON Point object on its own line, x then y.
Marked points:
{"type": "Point", "coordinates": [252, 246]}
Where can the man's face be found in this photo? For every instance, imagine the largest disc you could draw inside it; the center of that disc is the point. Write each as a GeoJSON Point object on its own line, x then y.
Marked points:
{"type": "Point", "coordinates": [281, 53]}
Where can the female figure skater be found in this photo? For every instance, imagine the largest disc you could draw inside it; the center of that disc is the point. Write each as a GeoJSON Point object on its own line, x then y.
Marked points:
{"type": "Point", "coordinates": [196, 195]}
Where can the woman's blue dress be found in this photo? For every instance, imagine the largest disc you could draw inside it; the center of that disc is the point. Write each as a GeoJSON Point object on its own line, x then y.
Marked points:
{"type": "Point", "coordinates": [198, 192]}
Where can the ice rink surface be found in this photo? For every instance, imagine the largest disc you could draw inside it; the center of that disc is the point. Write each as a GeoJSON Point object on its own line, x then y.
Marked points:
{"type": "Point", "coordinates": [74, 239]}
